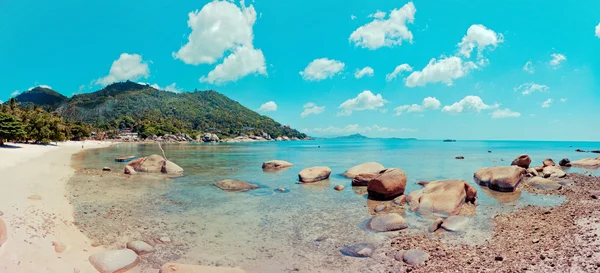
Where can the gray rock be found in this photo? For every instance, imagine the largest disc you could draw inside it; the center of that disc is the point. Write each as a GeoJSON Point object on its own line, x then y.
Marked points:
{"type": "Point", "coordinates": [236, 185]}
{"type": "Point", "coordinates": [387, 222]}
{"type": "Point", "coordinates": [399, 256]}
{"type": "Point", "coordinates": [140, 247]}
{"type": "Point", "coordinates": [544, 184]}
{"type": "Point", "coordinates": [455, 223]}
{"type": "Point", "coordinates": [361, 250]}
{"type": "Point", "coordinates": [380, 208]}
{"type": "Point", "coordinates": [436, 224]}
{"type": "Point", "coordinates": [415, 257]}
{"type": "Point", "coordinates": [114, 260]}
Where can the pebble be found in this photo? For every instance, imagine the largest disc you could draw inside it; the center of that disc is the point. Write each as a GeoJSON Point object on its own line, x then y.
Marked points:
{"type": "Point", "coordinates": [361, 250]}
{"type": "Point", "coordinates": [380, 208]}
{"type": "Point", "coordinates": [339, 187]}
{"type": "Point", "coordinates": [140, 247]}
{"type": "Point", "coordinates": [399, 256]}
{"type": "Point", "coordinates": [58, 246]}
{"type": "Point", "coordinates": [34, 197]}
{"type": "Point", "coordinates": [321, 238]}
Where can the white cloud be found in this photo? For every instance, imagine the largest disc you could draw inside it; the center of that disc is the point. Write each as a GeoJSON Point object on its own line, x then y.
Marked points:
{"type": "Point", "coordinates": [445, 70]}
{"type": "Point", "coordinates": [528, 88]}
{"type": "Point", "coordinates": [355, 128]}
{"type": "Point", "coordinates": [269, 106]}
{"type": "Point", "coordinates": [312, 109]}
{"type": "Point", "coordinates": [41, 85]}
{"type": "Point", "coordinates": [243, 61]}
{"type": "Point", "coordinates": [505, 113]}
{"type": "Point", "coordinates": [367, 71]}
{"type": "Point", "coordinates": [428, 103]}
{"type": "Point", "coordinates": [598, 31]}
{"type": "Point", "coordinates": [468, 104]}
{"type": "Point", "coordinates": [127, 67]}
{"type": "Point", "coordinates": [563, 100]}
{"type": "Point", "coordinates": [364, 101]}
{"type": "Point", "coordinates": [320, 69]}
{"type": "Point", "coordinates": [388, 33]}
{"type": "Point", "coordinates": [171, 87]}
{"type": "Point", "coordinates": [399, 69]}
{"type": "Point", "coordinates": [480, 37]}
{"type": "Point", "coordinates": [378, 15]}
{"type": "Point", "coordinates": [529, 67]}
{"type": "Point", "coordinates": [547, 103]}
{"type": "Point", "coordinates": [557, 59]}
{"type": "Point", "coordinates": [14, 93]}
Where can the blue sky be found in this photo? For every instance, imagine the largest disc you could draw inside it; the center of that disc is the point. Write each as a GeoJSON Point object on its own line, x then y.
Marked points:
{"type": "Point", "coordinates": [478, 87]}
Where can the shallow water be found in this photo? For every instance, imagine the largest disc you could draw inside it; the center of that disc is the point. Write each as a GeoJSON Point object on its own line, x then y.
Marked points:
{"type": "Point", "coordinates": [264, 230]}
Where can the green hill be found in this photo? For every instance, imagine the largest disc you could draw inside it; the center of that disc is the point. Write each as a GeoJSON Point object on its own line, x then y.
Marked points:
{"type": "Point", "coordinates": [41, 96]}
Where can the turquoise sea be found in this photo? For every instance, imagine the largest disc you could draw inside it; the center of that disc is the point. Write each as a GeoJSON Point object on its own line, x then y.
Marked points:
{"type": "Point", "coordinates": [268, 231]}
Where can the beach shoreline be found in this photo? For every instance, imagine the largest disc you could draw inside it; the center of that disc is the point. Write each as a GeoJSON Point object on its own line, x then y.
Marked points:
{"type": "Point", "coordinates": [42, 234]}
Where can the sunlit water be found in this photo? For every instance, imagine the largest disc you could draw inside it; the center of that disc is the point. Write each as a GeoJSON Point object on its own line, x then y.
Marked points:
{"type": "Point", "coordinates": [264, 230]}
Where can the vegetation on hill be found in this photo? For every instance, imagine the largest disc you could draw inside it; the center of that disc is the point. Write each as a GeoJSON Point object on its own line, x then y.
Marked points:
{"type": "Point", "coordinates": [41, 96]}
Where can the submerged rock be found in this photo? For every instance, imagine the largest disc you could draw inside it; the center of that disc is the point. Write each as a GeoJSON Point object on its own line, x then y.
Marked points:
{"type": "Point", "coordinates": [363, 179]}
{"type": "Point", "coordinates": [460, 157]}
{"type": "Point", "coordinates": [155, 164]}
{"type": "Point", "coordinates": [235, 185]}
{"type": "Point", "coordinates": [368, 168]}
{"type": "Point", "coordinates": [500, 178]}
{"type": "Point", "coordinates": [522, 161]}
{"type": "Point", "coordinates": [544, 184]}
{"type": "Point", "coordinates": [387, 222]}
{"type": "Point", "coordinates": [455, 223]}
{"type": "Point", "coordinates": [415, 257]}
{"type": "Point", "coordinates": [114, 260]}
{"type": "Point", "coordinates": [553, 171]}
{"type": "Point", "coordinates": [188, 268]}
{"type": "Point", "coordinates": [361, 250]}
{"type": "Point", "coordinates": [314, 174]}
{"type": "Point", "coordinates": [388, 184]}
{"type": "Point", "coordinates": [276, 164]}
{"type": "Point", "coordinates": [565, 162]}
{"type": "Point", "coordinates": [444, 197]}
{"type": "Point", "coordinates": [140, 247]}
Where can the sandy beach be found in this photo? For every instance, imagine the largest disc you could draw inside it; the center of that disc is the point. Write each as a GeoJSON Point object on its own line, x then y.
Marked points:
{"type": "Point", "coordinates": [37, 212]}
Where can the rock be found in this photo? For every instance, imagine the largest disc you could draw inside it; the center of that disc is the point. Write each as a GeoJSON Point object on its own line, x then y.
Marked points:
{"type": "Point", "coordinates": [362, 179]}
{"type": "Point", "coordinates": [594, 194]}
{"type": "Point", "coordinates": [34, 197]}
{"type": "Point", "coordinates": [321, 238]}
{"type": "Point", "coordinates": [114, 260]}
{"type": "Point", "coordinates": [165, 240]}
{"type": "Point", "coordinates": [423, 183]}
{"type": "Point", "coordinates": [539, 169]}
{"type": "Point", "coordinates": [281, 190]}
{"type": "Point", "coordinates": [361, 250]}
{"type": "Point", "coordinates": [155, 164]}
{"type": "Point", "coordinates": [455, 223]}
{"type": "Point", "coordinates": [235, 185]}
{"type": "Point", "coordinates": [58, 246]}
{"type": "Point", "coordinates": [129, 170]}
{"type": "Point", "coordinates": [314, 174]}
{"type": "Point", "coordinates": [369, 167]}
{"type": "Point", "coordinates": [565, 162]}
{"type": "Point", "coordinates": [548, 162]}
{"type": "Point", "coordinates": [140, 247]}
{"type": "Point", "coordinates": [553, 171]}
{"type": "Point", "coordinates": [460, 157]}
{"type": "Point", "coordinates": [339, 187]}
{"type": "Point", "coordinates": [531, 172]}
{"type": "Point", "coordinates": [591, 163]}
{"type": "Point", "coordinates": [499, 257]}
{"type": "Point", "coordinates": [415, 257]}
{"type": "Point", "coordinates": [188, 268]}
{"type": "Point", "coordinates": [399, 256]}
{"type": "Point", "coordinates": [444, 197]}
{"type": "Point", "coordinates": [544, 184]}
{"type": "Point", "coordinates": [436, 224]}
{"type": "Point", "coordinates": [500, 178]}
{"type": "Point", "coordinates": [3, 232]}
{"type": "Point", "coordinates": [388, 184]}
{"type": "Point", "coordinates": [380, 208]}
{"type": "Point", "coordinates": [208, 137]}
{"type": "Point", "coordinates": [387, 222]}
{"type": "Point", "coordinates": [276, 164]}
{"type": "Point", "coordinates": [522, 161]}
{"type": "Point", "coordinates": [580, 151]}
{"type": "Point", "coordinates": [399, 200]}
{"type": "Point", "coordinates": [106, 169]}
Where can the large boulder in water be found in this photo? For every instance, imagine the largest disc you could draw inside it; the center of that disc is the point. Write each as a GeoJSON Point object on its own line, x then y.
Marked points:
{"type": "Point", "coordinates": [235, 185]}
{"type": "Point", "coordinates": [388, 184]}
{"type": "Point", "coordinates": [155, 164]}
{"type": "Point", "coordinates": [522, 161]}
{"type": "Point", "coordinates": [276, 164]}
{"type": "Point", "coordinates": [387, 222]}
{"type": "Point", "coordinates": [565, 162]}
{"type": "Point", "coordinates": [314, 174]}
{"type": "Point", "coordinates": [369, 167]}
{"type": "Point", "coordinates": [591, 163]}
{"type": "Point", "coordinates": [548, 162]}
{"type": "Point", "coordinates": [543, 183]}
{"type": "Point", "coordinates": [444, 197]}
{"type": "Point", "coordinates": [188, 268]}
{"type": "Point", "coordinates": [114, 260]}
{"type": "Point", "coordinates": [500, 178]}
{"type": "Point", "coordinates": [362, 179]}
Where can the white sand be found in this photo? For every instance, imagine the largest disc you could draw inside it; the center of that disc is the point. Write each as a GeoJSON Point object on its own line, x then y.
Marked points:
{"type": "Point", "coordinates": [34, 224]}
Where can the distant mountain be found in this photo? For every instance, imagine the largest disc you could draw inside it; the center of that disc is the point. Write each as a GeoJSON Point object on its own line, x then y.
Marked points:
{"type": "Point", "coordinates": [353, 136]}
{"type": "Point", "coordinates": [41, 96]}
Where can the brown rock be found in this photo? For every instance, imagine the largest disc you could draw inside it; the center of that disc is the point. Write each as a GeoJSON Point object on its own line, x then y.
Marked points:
{"type": "Point", "coordinates": [444, 197]}
{"type": "Point", "coordinates": [155, 164]}
{"type": "Point", "coordinates": [500, 178]}
{"type": "Point", "coordinates": [235, 185]}
{"type": "Point", "coordinates": [553, 171]}
{"type": "Point", "coordinates": [314, 174]}
{"type": "Point", "coordinates": [188, 268]}
{"type": "Point", "coordinates": [591, 163]}
{"type": "Point", "coordinates": [58, 246]}
{"type": "Point", "coordinates": [339, 187]}
{"type": "Point", "coordinates": [276, 164]}
{"type": "Point", "coordinates": [548, 162]}
{"type": "Point", "coordinates": [389, 184]}
{"type": "Point", "coordinates": [368, 168]}
{"type": "Point", "coordinates": [522, 161]}
{"type": "Point", "coordinates": [362, 179]}
{"type": "Point", "coordinates": [531, 172]}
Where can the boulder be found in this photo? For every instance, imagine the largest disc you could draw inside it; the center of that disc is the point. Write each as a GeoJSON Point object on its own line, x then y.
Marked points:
{"type": "Point", "coordinates": [500, 178]}
{"type": "Point", "coordinates": [455, 223]}
{"type": "Point", "coordinates": [415, 257]}
{"type": "Point", "coordinates": [362, 179]}
{"type": "Point", "coordinates": [591, 163]}
{"type": "Point", "coordinates": [276, 164]}
{"type": "Point", "coordinates": [553, 171]}
{"type": "Point", "coordinates": [361, 250]}
{"type": "Point", "coordinates": [314, 174]}
{"type": "Point", "coordinates": [565, 162]}
{"type": "Point", "coordinates": [539, 169]}
{"type": "Point", "coordinates": [3, 232]}
{"type": "Point", "coordinates": [548, 162]}
{"type": "Point", "coordinates": [460, 157]}
{"type": "Point", "coordinates": [188, 268]}
{"type": "Point", "coordinates": [531, 172]}
{"type": "Point", "coordinates": [235, 185]}
{"type": "Point", "coordinates": [114, 260]}
{"type": "Point", "coordinates": [387, 222]}
{"type": "Point", "coordinates": [544, 184]}
{"type": "Point", "coordinates": [388, 184]}
{"type": "Point", "coordinates": [369, 167]}
{"type": "Point", "coordinates": [129, 170]}
{"type": "Point", "coordinates": [155, 164]}
{"type": "Point", "coordinates": [522, 161]}
{"type": "Point", "coordinates": [208, 137]}
{"type": "Point", "coordinates": [444, 197]}
{"type": "Point", "coordinates": [140, 247]}
{"type": "Point", "coordinates": [339, 187]}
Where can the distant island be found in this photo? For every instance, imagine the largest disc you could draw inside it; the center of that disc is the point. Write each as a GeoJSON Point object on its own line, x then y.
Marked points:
{"type": "Point", "coordinates": [353, 136]}
{"type": "Point", "coordinates": [360, 136]}
{"type": "Point", "coordinates": [449, 140]}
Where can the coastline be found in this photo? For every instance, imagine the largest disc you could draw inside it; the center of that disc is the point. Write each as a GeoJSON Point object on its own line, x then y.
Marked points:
{"type": "Point", "coordinates": [37, 212]}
